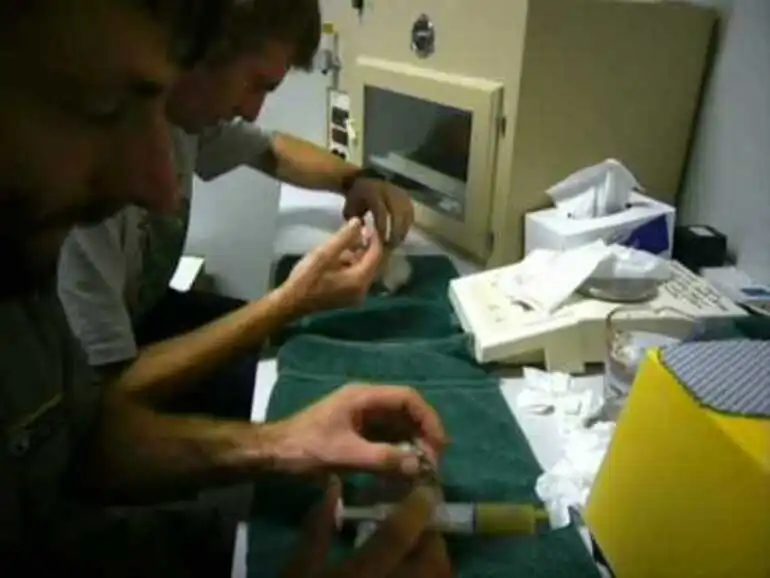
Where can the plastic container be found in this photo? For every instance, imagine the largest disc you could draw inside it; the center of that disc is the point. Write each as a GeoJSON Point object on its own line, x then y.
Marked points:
{"type": "Point", "coordinates": [627, 345]}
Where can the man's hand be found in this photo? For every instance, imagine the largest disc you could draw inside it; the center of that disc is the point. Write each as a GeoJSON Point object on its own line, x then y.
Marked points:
{"type": "Point", "coordinates": [338, 273]}
{"type": "Point", "coordinates": [386, 202]}
{"type": "Point", "coordinates": [357, 428]}
{"type": "Point", "coordinates": [400, 548]}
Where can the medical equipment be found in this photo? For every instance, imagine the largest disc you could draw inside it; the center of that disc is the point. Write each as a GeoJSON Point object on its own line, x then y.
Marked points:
{"type": "Point", "coordinates": [476, 108]}
{"type": "Point", "coordinates": [573, 335]}
{"type": "Point", "coordinates": [492, 519]}
{"type": "Point", "coordinates": [739, 286]}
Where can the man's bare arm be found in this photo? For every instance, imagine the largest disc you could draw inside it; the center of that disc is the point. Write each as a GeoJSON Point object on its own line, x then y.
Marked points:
{"type": "Point", "coordinates": [163, 369]}
{"type": "Point", "coordinates": [138, 455]}
{"type": "Point", "coordinates": [304, 164]}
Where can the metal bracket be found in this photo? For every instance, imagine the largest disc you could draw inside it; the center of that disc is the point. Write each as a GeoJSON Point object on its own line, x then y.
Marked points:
{"type": "Point", "coordinates": [502, 125]}
{"type": "Point", "coordinates": [490, 241]}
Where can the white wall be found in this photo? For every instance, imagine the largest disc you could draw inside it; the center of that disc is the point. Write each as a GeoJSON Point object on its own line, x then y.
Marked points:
{"type": "Point", "coordinates": [728, 181]}
{"type": "Point", "coordinates": [727, 185]}
{"type": "Point", "coordinates": [234, 218]}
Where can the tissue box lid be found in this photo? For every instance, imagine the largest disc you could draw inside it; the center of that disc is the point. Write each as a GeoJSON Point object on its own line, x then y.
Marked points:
{"type": "Point", "coordinates": [642, 207]}
{"type": "Point", "coordinates": [550, 229]}
{"type": "Point", "coordinates": [731, 377]}
{"type": "Point", "coordinates": [677, 462]}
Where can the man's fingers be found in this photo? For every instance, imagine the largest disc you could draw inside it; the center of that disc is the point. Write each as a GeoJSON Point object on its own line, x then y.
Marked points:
{"type": "Point", "coordinates": [429, 558]}
{"type": "Point", "coordinates": [379, 458]}
{"type": "Point", "coordinates": [394, 539]}
{"type": "Point", "coordinates": [347, 237]}
{"type": "Point", "coordinates": [381, 216]}
{"type": "Point", "coordinates": [316, 540]}
{"type": "Point", "coordinates": [399, 399]}
{"type": "Point", "coordinates": [401, 217]}
{"type": "Point", "coordinates": [354, 208]}
{"type": "Point", "coordinates": [365, 269]}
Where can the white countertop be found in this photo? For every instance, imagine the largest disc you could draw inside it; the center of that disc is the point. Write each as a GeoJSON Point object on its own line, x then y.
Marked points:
{"type": "Point", "coordinates": [306, 219]}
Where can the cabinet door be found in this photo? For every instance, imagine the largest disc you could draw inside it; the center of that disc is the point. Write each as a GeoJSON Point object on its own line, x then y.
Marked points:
{"type": "Point", "coordinates": [434, 134]}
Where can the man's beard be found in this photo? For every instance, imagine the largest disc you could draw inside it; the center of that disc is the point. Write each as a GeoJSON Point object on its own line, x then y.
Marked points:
{"type": "Point", "coordinates": [30, 247]}
{"type": "Point", "coordinates": [28, 270]}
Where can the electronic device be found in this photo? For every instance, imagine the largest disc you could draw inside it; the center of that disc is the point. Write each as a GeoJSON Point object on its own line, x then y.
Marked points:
{"type": "Point", "coordinates": [740, 287]}
{"type": "Point", "coordinates": [476, 108]}
{"type": "Point", "coordinates": [699, 246]}
{"type": "Point", "coordinates": [576, 333]}
{"type": "Point", "coordinates": [340, 132]}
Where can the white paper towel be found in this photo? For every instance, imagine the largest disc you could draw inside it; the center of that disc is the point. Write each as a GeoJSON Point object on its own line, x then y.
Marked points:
{"type": "Point", "coordinates": [630, 263]}
{"type": "Point", "coordinates": [545, 279]}
{"type": "Point", "coordinates": [554, 393]}
{"type": "Point", "coordinates": [595, 191]}
{"type": "Point", "coordinates": [567, 484]}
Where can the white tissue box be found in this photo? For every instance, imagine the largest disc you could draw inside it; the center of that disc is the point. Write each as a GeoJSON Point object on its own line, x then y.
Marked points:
{"type": "Point", "coordinates": [647, 225]}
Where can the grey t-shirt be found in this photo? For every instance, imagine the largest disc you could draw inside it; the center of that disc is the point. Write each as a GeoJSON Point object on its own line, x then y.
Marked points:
{"type": "Point", "coordinates": [110, 274]}
{"type": "Point", "coordinates": [48, 400]}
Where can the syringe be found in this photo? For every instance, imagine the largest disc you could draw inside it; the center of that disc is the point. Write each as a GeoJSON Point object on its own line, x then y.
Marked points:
{"type": "Point", "coordinates": [464, 518]}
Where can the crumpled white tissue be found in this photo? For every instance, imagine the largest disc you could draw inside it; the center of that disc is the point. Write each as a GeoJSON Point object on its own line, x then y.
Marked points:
{"type": "Point", "coordinates": [545, 279]}
{"type": "Point", "coordinates": [595, 191]}
{"type": "Point", "coordinates": [630, 263]}
{"type": "Point", "coordinates": [396, 271]}
{"type": "Point", "coordinates": [567, 485]}
{"type": "Point", "coordinates": [547, 393]}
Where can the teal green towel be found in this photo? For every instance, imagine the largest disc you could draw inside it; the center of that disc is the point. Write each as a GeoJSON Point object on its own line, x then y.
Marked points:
{"type": "Point", "coordinates": [489, 458]}
{"type": "Point", "coordinates": [413, 339]}
{"type": "Point", "coordinates": [391, 317]}
{"type": "Point", "coordinates": [430, 276]}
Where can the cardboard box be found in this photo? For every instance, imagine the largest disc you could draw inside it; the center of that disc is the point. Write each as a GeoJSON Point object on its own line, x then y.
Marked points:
{"type": "Point", "coordinates": [684, 488]}
{"type": "Point", "coordinates": [647, 225]}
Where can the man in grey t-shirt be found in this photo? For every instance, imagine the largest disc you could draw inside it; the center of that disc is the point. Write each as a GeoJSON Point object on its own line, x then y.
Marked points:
{"type": "Point", "coordinates": [84, 134]}
{"type": "Point", "coordinates": [114, 276]}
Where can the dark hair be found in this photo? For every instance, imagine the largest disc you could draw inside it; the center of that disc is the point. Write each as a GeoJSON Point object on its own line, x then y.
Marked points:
{"type": "Point", "coordinates": [251, 23]}
{"type": "Point", "coordinates": [195, 25]}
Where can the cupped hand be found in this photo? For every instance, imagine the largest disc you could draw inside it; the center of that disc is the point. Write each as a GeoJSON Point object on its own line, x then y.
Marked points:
{"type": "Point", "coordinates": [359, 428]}
{"type": "Point", "coordinates": [338, 273]}
{"type": "Point", "coordinates": [387, 203]}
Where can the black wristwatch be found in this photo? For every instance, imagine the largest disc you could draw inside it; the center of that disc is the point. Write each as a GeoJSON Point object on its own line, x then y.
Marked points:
{"type": "Point", "coordinates": [365, 173]}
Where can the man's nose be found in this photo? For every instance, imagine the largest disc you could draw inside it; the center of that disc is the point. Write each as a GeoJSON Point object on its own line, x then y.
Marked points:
{"type": "Point", "coordinates": [148, 177]}
{"type": "Point", "coordinates": [251, 106]}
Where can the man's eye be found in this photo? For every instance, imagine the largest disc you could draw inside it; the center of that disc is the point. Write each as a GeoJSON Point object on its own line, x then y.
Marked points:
{"type": "Point", "coordinates": [106, 112]}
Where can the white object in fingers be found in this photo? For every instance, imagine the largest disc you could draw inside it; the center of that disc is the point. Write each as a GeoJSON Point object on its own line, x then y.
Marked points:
{"type": "Point", "coordinates": [365, 531]}
{"type": "Point", "coordinates": [338, 512]}
{"type": "Point", "coordinates": [397, 271]}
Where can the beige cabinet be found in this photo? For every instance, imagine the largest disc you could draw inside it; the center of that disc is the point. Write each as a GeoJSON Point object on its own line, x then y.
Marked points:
{"type": "Point", "coordinates": [477, 107]}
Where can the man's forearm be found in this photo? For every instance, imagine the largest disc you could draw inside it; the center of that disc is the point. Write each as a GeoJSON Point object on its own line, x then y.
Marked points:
{"type": "Point", "coordinates": [305, 165]}
{"type": "Point", "coordinates": [139, 455]}
{"type": "Point", "coordinates": [162, 369]}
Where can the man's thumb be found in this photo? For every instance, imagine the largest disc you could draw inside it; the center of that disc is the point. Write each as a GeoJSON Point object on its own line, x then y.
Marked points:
{"type": "Point", "coordinates": [385, 458]}
{"type": "Point", "coordinates": [309, 556]}
{"type": "Point", "coordinates": [345, 238]}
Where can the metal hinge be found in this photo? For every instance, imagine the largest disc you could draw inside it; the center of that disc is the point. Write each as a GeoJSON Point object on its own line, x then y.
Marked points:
{"type": "Point", "coordinates": [502, 125]}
